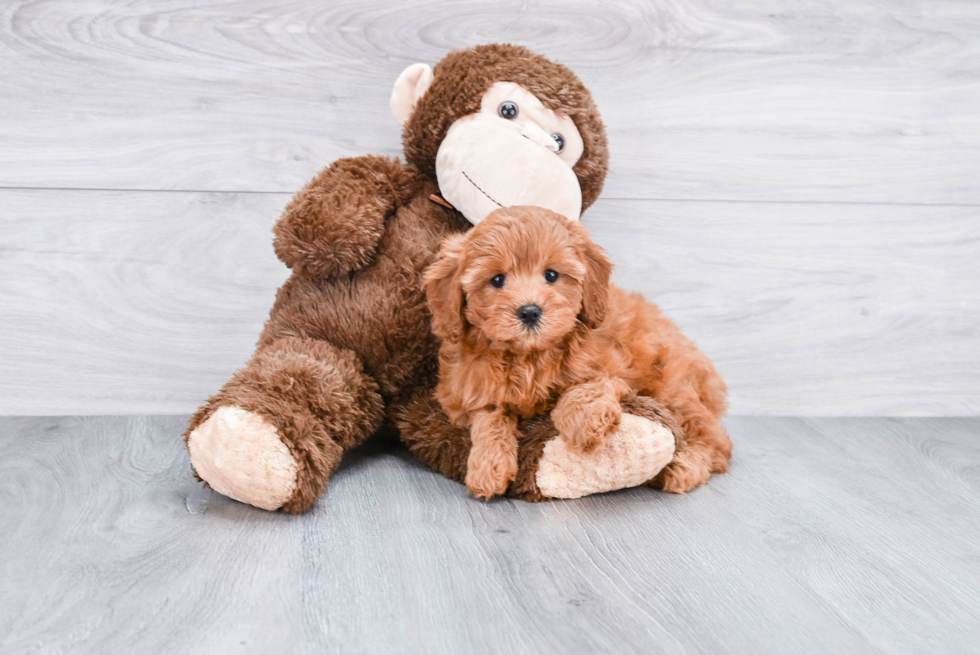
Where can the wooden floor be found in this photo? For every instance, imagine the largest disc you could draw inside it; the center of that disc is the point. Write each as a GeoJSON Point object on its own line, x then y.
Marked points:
{"type": "Point", "coordinates": [829, 536]}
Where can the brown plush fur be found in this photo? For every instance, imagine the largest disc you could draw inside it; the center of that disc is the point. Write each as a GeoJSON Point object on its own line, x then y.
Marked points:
{"type": "Point", "coordinates": [592, 345]}
{"type": "Point", "coordinates": [347, 344]}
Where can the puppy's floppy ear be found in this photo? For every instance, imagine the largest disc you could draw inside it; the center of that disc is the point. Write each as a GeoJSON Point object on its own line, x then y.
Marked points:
{"type": "Point", "coordinates": [598, 269]}
{"type": "Point", "coordinates": [444, 289]}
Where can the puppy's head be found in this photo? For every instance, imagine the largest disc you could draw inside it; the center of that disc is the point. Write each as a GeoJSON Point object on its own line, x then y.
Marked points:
{"type": "Point", "coordinates": [524, 277]}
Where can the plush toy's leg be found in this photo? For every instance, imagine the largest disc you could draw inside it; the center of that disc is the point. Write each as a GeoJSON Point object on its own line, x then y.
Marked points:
{"type": "Point", "coordinates": [706, 451]}
{"type": "Point", "coordinates": [428, 433]}
{"type": "Point", "coordinates": [547, 468]}
{"type": "Point", "coordinates": [277, 430]}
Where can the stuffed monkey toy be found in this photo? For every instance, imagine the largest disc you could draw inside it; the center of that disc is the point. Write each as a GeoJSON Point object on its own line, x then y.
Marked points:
{"type": "Point", "coordinates": [347, 348]}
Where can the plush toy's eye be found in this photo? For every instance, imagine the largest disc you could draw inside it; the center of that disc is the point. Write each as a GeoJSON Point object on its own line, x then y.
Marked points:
{"type": "Point", "coordinates": [498, 281]}
{"type": "Point", "coordinates": [550, 276]}
{"type": "Point", "coordinates": [508, 110]}
{"type": "Point", "coordinates": [560, 140]}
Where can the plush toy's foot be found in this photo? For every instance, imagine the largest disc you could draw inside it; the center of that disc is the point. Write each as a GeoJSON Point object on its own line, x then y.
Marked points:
{"type": "Point", "coordinates": [630, 456]}
{"type": "Point", "coordinates": [279, 427]}
{"type": "Point", "coordinates": [240, 454]}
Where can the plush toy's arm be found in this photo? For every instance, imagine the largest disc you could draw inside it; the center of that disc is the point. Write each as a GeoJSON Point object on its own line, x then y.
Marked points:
{"type": "Point", "coordinates": [333, 225]}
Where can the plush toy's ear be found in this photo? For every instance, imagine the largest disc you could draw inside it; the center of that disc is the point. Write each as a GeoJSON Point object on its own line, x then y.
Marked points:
{"type": "Point", "coordinates": [409, 87]}
{"type": "Point", "coordinates": [598, 270]}
{"type": "Point", "coordinates": [445, 290]}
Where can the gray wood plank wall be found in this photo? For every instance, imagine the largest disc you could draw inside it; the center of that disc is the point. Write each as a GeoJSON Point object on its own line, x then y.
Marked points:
{"type": "Point", "coordinates": [798, 185]}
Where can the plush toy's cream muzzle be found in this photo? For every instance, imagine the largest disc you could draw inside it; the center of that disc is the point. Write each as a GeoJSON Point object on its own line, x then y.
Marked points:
{"type": "Point", "coordinates": [482, 167]}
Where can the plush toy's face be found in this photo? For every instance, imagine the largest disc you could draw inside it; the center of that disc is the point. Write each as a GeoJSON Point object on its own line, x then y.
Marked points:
{"type": "Point", "coordinates": [511, 150]}
{"type": "Point", "coordinates": [514, 151]}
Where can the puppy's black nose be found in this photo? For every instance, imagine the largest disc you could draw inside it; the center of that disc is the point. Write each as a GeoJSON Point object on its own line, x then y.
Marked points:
{"type": "Point", "coordinates": [529, 315]}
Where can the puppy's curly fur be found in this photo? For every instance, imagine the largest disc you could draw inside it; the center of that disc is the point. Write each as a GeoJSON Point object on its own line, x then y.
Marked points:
{"type": "Point", "coordinates": [529, 323]}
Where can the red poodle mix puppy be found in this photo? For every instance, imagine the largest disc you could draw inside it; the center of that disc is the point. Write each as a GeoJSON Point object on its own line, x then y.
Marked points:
{"type": "Point", "coordinates": [529, 323]}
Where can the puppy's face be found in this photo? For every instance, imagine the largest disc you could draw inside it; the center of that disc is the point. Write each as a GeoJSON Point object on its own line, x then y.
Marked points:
{"type": "Point", "coordinates": [523, 278]}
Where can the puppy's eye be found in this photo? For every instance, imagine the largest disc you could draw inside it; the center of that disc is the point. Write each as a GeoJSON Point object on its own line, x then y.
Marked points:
{"type": "Point", "coordinates": [497, 282]}
{"type": "Point", "coordinates": [508, 110]}
{"type": "Point", "coordinates": [560, 140]}
{"type": "Point", "coordinates": [550, 276]}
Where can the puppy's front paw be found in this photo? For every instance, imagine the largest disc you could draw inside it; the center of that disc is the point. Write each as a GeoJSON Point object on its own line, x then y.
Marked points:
{"type": "Point", "coordinates": [585, 427]}
{"type": "Point", "coordinates": [490, 470]}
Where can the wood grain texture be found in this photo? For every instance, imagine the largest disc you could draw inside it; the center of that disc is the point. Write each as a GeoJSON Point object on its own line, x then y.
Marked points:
{"type": "Point", "coordinates": [829, 535]}
{"type": "Point", "coordinates": [112, 301]}
{"type": "Point", "coordinates": [863, 101]}
{"type": "Point", "coordinates": [796, 185]}
{"type": "Point", "coordinates": [815, 309]}
{"type": "Point", "coordinates": [125, 302]}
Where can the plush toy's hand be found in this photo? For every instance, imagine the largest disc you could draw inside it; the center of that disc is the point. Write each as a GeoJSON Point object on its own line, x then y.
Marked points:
{"type": "Point", "coordinates": [587, 414]}
{"type": "Point", "coordinates": [333, 225]}
{"type": "Point", "coordinates": [632, 455]}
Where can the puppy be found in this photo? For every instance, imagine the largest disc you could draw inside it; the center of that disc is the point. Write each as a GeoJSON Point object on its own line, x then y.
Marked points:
{"type": "Point", "coordinates": [529, 323]}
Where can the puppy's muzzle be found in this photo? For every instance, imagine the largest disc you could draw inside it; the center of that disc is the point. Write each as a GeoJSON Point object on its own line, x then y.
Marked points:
{"type": "Point", "coordinates": [529, 315]}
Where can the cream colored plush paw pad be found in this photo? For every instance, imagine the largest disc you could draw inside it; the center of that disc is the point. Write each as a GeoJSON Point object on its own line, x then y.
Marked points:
{"type": "Point", "coordinates": [240, 455]}
{"type": "Point", "coordinates": [630, 457]}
